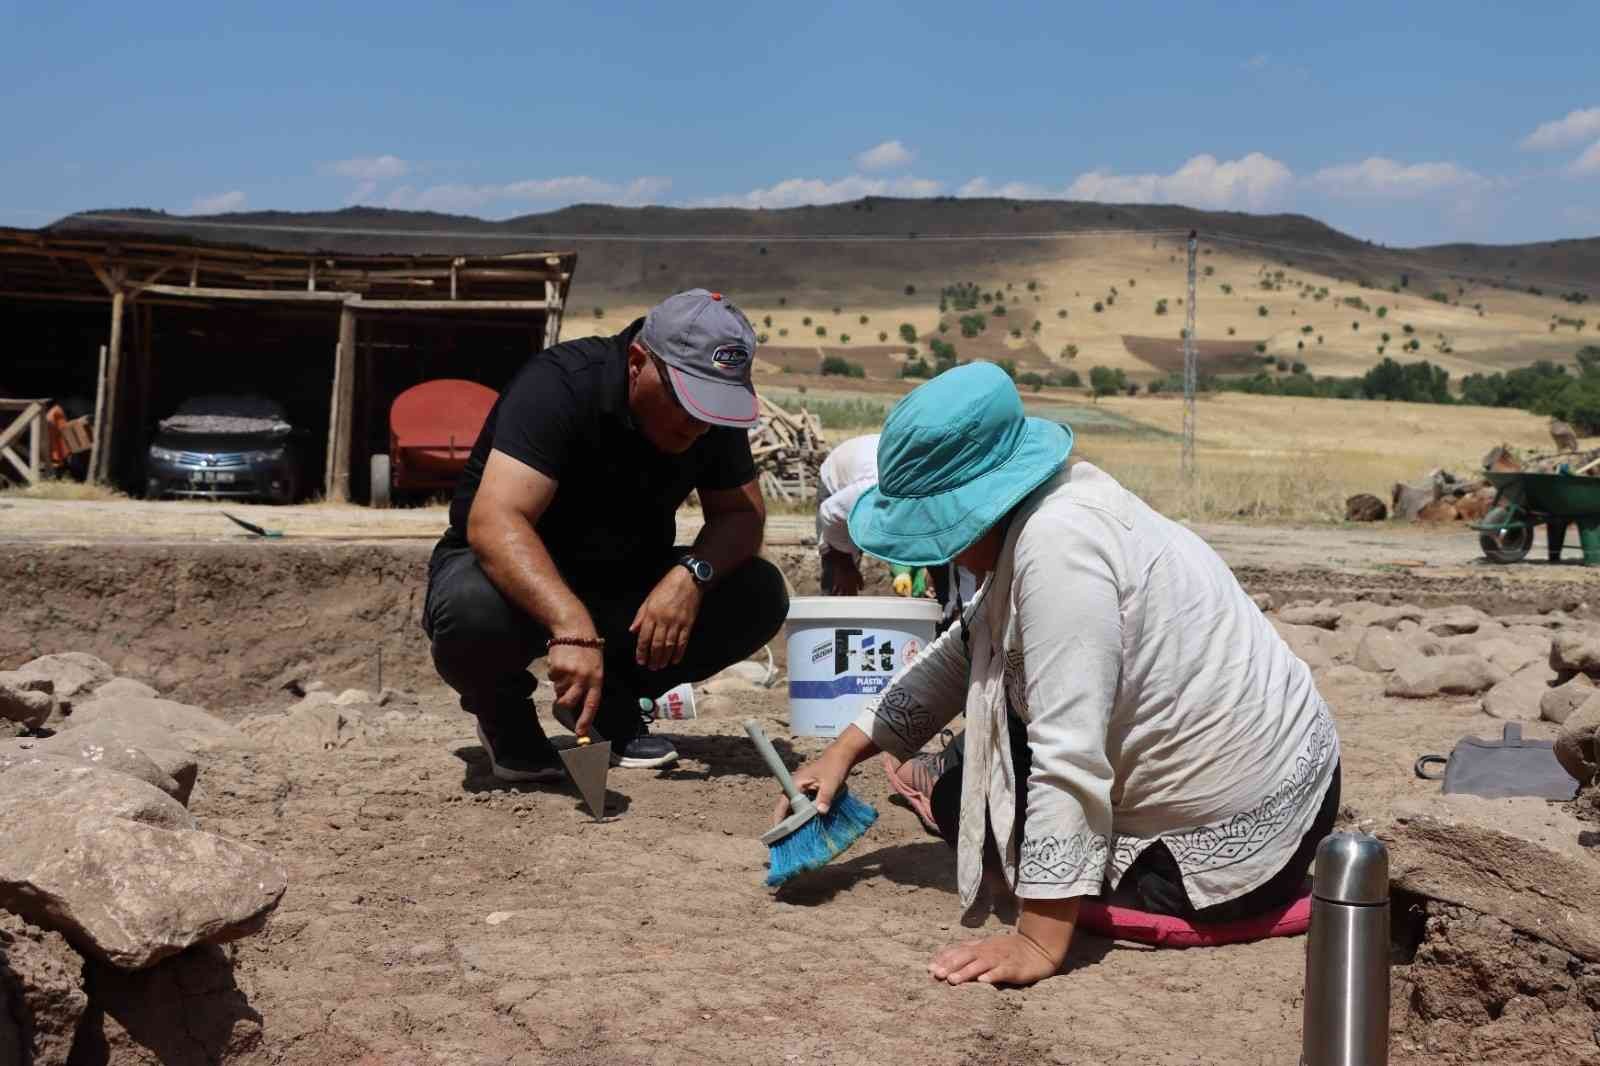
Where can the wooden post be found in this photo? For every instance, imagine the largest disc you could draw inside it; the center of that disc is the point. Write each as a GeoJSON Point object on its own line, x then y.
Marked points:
{"type": "Point", "coordinates": [333, 428]}
{"type": "Point", "coordinates": [344, 405]}
{"type": "Point", "coordinates": [99, 404]}
{"type": "Point", "coordinates": [33, 447]}
{"type": "Point", "coordinates": [106, 432]}
{"type": "Point", "coordinates": [552, 314]}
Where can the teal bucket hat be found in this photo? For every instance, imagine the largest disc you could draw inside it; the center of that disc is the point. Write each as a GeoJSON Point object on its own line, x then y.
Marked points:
{"type": "Point", "coordinates": [955, 456]}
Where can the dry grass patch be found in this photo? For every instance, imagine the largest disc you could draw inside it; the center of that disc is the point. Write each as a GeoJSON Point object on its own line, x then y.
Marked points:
{"type": "Point", "coordinates": [61, 490]}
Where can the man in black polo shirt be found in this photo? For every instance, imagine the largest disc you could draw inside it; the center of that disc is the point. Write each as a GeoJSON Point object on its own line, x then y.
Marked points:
{"type": "Point", "coordinates": [561, 536]}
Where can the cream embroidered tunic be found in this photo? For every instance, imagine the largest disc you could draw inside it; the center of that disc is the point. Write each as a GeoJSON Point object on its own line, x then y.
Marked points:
{"type": "Point", "coordinates": [1159, 705]}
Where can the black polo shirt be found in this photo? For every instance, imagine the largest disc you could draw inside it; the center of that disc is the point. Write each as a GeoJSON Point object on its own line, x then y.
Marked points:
{"type": "Point", "coordinates": [566, 415]}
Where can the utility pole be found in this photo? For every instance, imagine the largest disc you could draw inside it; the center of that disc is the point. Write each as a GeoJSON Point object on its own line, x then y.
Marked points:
{"type": "Point", "coordinates": [1189, 367]}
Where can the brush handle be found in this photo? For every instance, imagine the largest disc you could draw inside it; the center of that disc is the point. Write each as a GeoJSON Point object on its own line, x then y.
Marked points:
{"type": "Point", "coordinates": [758, 737]}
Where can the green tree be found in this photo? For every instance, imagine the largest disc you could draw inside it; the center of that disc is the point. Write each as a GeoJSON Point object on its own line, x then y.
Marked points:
{"type": "Point", "coordinates": [599, 312]}
{"type": "Point", "coordinates": [882, 336]}
{"type": "Point", "coordinates": [911, 290]}
{"type": "Point", "coordinates": [839, 366]}
{"type": "Point", "coordinates": [767, 321]}
{"type": "Point", "coordinates": [1105, 381]}
{"type": "Point", "coordinates": [1098, 307]}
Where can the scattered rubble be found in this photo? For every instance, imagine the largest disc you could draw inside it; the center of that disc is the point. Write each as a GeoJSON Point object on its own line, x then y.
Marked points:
{"type": "Point", "coordinates": [41, 994]}
{"type": "Point", "coordinates": [788, 450]}
{"type": "Point", "coordinates": [1365, 507]}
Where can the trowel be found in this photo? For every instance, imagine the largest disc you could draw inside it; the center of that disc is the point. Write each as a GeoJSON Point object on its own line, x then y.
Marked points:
{"type": "Point", "coordinates": [586, 764]}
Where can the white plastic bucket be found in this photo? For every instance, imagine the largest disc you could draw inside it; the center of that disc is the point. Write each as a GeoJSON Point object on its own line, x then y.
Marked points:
{"type": "Point", "coordinates": [844, 649]}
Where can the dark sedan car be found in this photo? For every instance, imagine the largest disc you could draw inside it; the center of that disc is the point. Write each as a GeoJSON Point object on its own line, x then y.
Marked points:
{"type": "Point", "coordinates": [235, 446]}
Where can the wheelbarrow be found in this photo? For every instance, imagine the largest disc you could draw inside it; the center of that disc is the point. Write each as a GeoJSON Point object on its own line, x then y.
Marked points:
{"type": "Point", "coordinates": [1523, 502]}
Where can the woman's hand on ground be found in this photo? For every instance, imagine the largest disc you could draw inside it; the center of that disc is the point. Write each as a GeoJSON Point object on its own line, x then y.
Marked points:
{"type": "Point", "coordinates": [1008, 959]}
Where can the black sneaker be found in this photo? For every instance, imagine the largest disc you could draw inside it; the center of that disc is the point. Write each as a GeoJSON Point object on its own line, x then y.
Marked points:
{"type": "Point", "coordinates": [514, 757]}
{"type": "Point", "coordinates": [642, 751]}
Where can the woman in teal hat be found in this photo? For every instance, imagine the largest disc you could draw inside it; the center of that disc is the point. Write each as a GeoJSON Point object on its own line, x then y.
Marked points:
{"type": "Point", "coordinates": [1133, 722]}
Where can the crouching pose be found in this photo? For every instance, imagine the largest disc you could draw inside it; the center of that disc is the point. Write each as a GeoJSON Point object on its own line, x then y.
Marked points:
{"type": "Point", "coordinates": [1133, 723]}
{"type": "Point", "coordinates": [561, 537]}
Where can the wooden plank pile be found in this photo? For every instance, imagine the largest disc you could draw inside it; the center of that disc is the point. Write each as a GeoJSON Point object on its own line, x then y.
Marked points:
{"type": "Point", "coordinates": [788, 450]}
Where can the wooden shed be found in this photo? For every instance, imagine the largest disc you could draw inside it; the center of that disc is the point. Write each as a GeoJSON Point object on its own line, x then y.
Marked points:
{"type": "Point", "coordinates": [132, 325]}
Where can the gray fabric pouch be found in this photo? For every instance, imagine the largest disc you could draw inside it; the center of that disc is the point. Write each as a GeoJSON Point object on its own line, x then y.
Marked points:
{"type": "Point", "coordinates": [1496, 769]}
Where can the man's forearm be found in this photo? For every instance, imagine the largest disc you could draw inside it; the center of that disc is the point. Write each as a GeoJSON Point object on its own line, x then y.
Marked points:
{"type": "Point", "coordinates": [729, 540]}
{"type": "Point", "coordinates": [514, 558]}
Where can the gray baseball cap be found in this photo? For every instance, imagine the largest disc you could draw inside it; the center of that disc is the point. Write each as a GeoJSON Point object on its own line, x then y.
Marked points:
{"type": "Point", "coordinates": [708, 346]}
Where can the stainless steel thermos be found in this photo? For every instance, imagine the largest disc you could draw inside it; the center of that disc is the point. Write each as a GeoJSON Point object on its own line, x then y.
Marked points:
{"type": "Point", "coordinates": [1347, 955]}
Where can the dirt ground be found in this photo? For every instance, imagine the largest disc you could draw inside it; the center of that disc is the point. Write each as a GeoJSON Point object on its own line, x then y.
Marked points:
{"type": "Point", "coordinates": [435, 915]}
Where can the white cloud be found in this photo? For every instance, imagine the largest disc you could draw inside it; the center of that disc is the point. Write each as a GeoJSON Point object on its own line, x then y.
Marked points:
{"type": "Point", "coordinates": [890, 155]}
{"type": "Point", "coordinates": [369, 168]}
{"type": "Point", "coordinates": [222, 202]}
{"type": "Point", "coordinates": [362, 194]}
{"type": "Point", "coordinates": [548, 191]}
{"type": "Point", "coordinates": [1011, 190]}
{"type": "Point", "coordinates": [1380, 178]}
{"type": "Point", "coordinates": [1575, 128]}
{"type": "Point", "coordinates": [584, 189]}
{"type": "Point", "coordinates": [1257, 61]}
{"type": "Point", "coordinates": [1587, 163]}
{"type": "Point", "coordinates": [797, 192]}
{"type": "Point", "coordinates": [1253, 181]}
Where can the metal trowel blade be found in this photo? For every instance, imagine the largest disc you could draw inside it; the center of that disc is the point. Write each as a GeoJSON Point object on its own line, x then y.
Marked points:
{"type": "Point", "coordinates": [587, 765]}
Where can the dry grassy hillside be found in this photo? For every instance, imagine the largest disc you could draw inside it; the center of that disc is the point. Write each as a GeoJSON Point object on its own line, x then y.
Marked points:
{"type": "Point", "coordinates": [1050, 289]}
{"type": "Point", "coordinates": [887, 260]}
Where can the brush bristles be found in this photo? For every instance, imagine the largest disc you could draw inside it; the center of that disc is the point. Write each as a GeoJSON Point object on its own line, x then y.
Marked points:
{"type": "Point", "coordinates": [816, 843]}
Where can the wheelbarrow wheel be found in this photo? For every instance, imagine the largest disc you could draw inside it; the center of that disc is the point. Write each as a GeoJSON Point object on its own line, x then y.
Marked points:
{"type": "Point", "coordinates": [381, 485]}
{"type": "Point", "coordinates": [1507, 547]}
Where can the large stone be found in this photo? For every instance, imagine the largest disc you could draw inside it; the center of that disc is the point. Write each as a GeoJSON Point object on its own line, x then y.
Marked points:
{"type": "Point", "coordinates": [1445, 675]}
{"type": "Point", "coordinates": [1380, 651]}
{"type": "Point", "coordinates": [161, 747]}
{"type": "Point", "coordinates": [1407, 501]}
{"type": "Point", "coordinates": [1516, 699]}
{"type": "Point", "coordinates": [41, 995]}
{"type": "Point", "coordinates": [1453, 620]}
{"type": "Point", "coordinates": [25, 700]}
{"type": "Point", "coordinates": [1558, 703]}
{"type": "Point", "coordinates": [1365, 507]}
{"type": "Point", "coordinates": [1320, 617]}
{"type": "Point", "coordinates": [1386, 616]}
{"type": "Point", "coordinates": [72, 674]}
{"type": "Point", "coordinates": [48, 786]}
{"type": "Point", "coordinates": [1508, 655]}
{"type": "Point", "coordinates": [1305, 643]}
{"type": "Point", "coordinates": [195, 729]}
{"type": "Point", "coordinates": [1576, 748]}
{"type": "Point", "coordinates": [119, 758]}
{"type": "Point", "coordinates": [1575, 651]}
{"type": "Point", "coordinates": [1518, 860]}
{"type": "Point", "coordinates": [131, 895]}
{"type": "Point", "coordinates": [124, 687]}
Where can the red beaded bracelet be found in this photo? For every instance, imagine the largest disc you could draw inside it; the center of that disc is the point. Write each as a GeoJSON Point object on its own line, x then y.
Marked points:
{"type": "Point", "coordinates": [575, 642]}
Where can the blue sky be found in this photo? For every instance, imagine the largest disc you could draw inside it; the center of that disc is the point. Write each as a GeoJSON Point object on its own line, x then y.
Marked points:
{"type": "Point", "coordinates": [1410, 123]}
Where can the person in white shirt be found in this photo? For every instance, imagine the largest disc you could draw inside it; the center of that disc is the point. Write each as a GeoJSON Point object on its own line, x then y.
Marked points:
{"type": "Point", "coordinates": [850, 470]}
{"type": "Point", "coordinates": [1133, 722]}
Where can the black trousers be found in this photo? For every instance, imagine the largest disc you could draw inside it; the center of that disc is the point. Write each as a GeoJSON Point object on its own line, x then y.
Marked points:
{"type": "Point", "coordinates": [483, 643]}
{"type": "Point", "coordinates": [1153, 883]}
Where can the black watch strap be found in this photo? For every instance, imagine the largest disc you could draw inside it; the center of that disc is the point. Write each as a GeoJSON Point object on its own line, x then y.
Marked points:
{"type": "Point", "coordinates": [699, 569]}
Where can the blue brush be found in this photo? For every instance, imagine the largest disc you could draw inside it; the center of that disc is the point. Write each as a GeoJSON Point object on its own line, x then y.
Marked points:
{"type": "Point", "coordinates": [808, 839]}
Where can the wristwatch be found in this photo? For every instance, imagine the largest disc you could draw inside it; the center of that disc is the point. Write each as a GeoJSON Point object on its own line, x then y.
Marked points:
{"type": "Point", "coordinates": [698, 568]}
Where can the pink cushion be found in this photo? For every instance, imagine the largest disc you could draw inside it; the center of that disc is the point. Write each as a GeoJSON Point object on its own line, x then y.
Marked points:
{"type": "Point", "coordinates": [1166, 931]}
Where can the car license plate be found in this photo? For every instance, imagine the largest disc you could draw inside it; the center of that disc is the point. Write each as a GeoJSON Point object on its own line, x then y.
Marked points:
{"type": "Point", "coordinates": [212, 477]}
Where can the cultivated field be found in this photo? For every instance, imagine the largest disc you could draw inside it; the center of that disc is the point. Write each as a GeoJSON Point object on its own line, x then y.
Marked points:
{"type": "Point", "coordinates": [1471, 327]}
